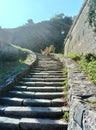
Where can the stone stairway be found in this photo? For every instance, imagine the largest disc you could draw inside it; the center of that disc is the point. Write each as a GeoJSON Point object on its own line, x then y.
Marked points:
{"type": "Point", "coordinates": [37, 101]}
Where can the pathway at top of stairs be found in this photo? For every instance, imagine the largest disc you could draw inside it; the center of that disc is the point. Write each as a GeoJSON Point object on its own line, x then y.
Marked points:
{"type": "Point", "coordinates": [37, 101]}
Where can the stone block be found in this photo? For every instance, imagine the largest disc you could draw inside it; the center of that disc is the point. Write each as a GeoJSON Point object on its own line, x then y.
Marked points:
{"type": "Point", "coordinates": [89, 120]}
{"type": "Point", "coordinates": [42, 124]}
{"type": "Point", "coordinates": [9, 123]}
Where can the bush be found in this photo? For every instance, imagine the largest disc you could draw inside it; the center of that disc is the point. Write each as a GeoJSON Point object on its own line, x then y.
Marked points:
{"type": "Point", "coordinates": [90, 57]}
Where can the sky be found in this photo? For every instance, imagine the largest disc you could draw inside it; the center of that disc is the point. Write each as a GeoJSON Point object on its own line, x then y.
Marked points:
{"type": "Point", "coordinates": [14, 13]}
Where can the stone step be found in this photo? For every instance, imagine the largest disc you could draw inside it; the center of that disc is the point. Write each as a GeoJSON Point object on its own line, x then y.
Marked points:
{"type": "Point", "coordinates": [39, 89]}
{"type": "Point", "coordinates": [49, 64]}
{"type": "Point", "coordinates": [42, 124]}
{"type": "Point", "coordinates": [49, 68]}
{"type": "Point", "coordinates": [35, 112]}
{"type": "Point", "coordinates": [45, 73]}
{"type": "Point", "coordinates": [44, 102]}
{"type": "Point", "coordinates": [32, 102]}
{"type": "Point", "coordinates": [48, 61]}
{"type": "Point", "coordinates": [44, 79]}
{"type": "Point", "coordinates": [37, 84]}
{"type": "Point", "coordinates": [46, 89]}
{"type": "Point", "coordinates": [7, 123]}
{"type": "Point", "coordinates": [13, 101]}
{"type": "Point", "coordinates": [44, 76]}
{"type": "Point", "coordinates": [39, 95]}
{"type": "Point", "coordinates": [59, 68]}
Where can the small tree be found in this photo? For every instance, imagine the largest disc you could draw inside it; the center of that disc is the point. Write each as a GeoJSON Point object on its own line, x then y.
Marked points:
{"type": "Point", "coordinates": [30, 22]}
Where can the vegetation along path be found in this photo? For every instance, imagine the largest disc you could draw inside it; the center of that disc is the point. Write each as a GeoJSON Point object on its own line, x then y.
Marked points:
{"type": "Point", "coordinates": [36, 102]}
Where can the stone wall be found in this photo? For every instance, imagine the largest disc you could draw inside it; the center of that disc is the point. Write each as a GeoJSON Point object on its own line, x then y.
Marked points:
{"type": "Point", "coordinates": [81, 38]}
{"type": "Point", "coordinates": [81, 99]}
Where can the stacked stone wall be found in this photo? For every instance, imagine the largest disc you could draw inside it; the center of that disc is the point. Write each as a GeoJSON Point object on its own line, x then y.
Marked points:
{"type": "Point", "coordinates": [81, 97]}
{"type": "Point", "coordinates": [81, 38]}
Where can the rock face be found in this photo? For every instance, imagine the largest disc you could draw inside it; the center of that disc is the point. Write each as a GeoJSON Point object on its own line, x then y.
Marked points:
{"type": "Point", "coordinates": [81, 38]}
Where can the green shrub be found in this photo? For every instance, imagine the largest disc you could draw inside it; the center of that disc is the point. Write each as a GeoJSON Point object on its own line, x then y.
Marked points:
{"type": "Point", "coordinates": [88, 63]}
{"type": "Point", "coordinates": [75, 57]}
{"type": "Point", "coordinates": [66, 116]}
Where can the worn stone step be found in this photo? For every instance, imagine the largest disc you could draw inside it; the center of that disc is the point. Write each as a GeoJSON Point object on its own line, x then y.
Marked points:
{"type": "Point", "coordinates": [44, 79]}
{"type": "Point", "coordinates": [7, 123]}
{"type": "Point", "coordinates": [39, 95]}
{"type": "Point", "coordinates": [21, 87]}
{"type": "Point", "coordinates": [45, 76]}
{"type": "Point", "coordinates": [49, 95]}
{"type": "Point", "coordinates": [39, 89]}
{"type": "Point", "coordinates": [13, 101]}
{"type": "Point", "coordinates": [45, 89]}
{"type": "Point", "coordinates": [49, 62]}
{"type": "Point", "coordinates": [48, 68]}
{"type": "Point", "coordinates": [2, 108]}
{"type": "Point", "coordinates": [42, 124]}
{"type": "Point", "coordinates": [49, 65]}
{"type": "Point", "coordinates": [45, 73]}
{"type": "Point", "coordinates": [37, 84]}
{"type": "Point", "coordinates": [44, 102]}
{"type": "Point", "coordinates": [36, 68]}
{"type": "Point", "coordinates": [35, 112]}
{"type": "Point", "coordinates": [46, 63]}
{"type": "Point", "coordinates": [31, 102]}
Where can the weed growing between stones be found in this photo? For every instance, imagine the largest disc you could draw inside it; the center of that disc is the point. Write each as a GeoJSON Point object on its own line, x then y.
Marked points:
{"type": "Point", "coordinates": [87, 62]}
{"type": "Point", "coordinates": [66, 116]}
{"type": "Point", "coordinates": [75, 57]}
{"type": "Point", "coordinates": [89, 66]}
{"type": "Point", "coordinates": [65, 83]}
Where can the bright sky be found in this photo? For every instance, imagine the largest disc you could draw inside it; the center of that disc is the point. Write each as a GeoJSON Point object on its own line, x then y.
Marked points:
{"type": "Point", "coordinates": [14, 13]}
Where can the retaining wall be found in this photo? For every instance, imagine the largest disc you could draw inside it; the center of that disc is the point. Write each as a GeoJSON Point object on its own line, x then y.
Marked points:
{"type": "Point", "coordinates": [81, 38]}
{"type": "Point", "coordinates": [81, 99]}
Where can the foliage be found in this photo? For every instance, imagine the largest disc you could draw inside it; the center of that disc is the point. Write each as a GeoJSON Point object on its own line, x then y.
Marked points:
{"type": "Point", "coordinates": [89, 67]}
{"type": "Point", "coordinates": [90, 57]}
{"type": "Point", "coordinates": [66, 116]}
{"type": "Point", "coordinates": [40, 35]}
{"type": "Point", "coordinates": [57, 16]}
{"type": "Point", "coordinates": [65, 83]}
{"type": "Point", "coordinates": [88, 63]}
{"type": "Point", "coordinates": [60, 54]}
{"type": "Point", "coordinates": [71, 55]}
{"type": "Point", "coordinates": [92, 14]}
